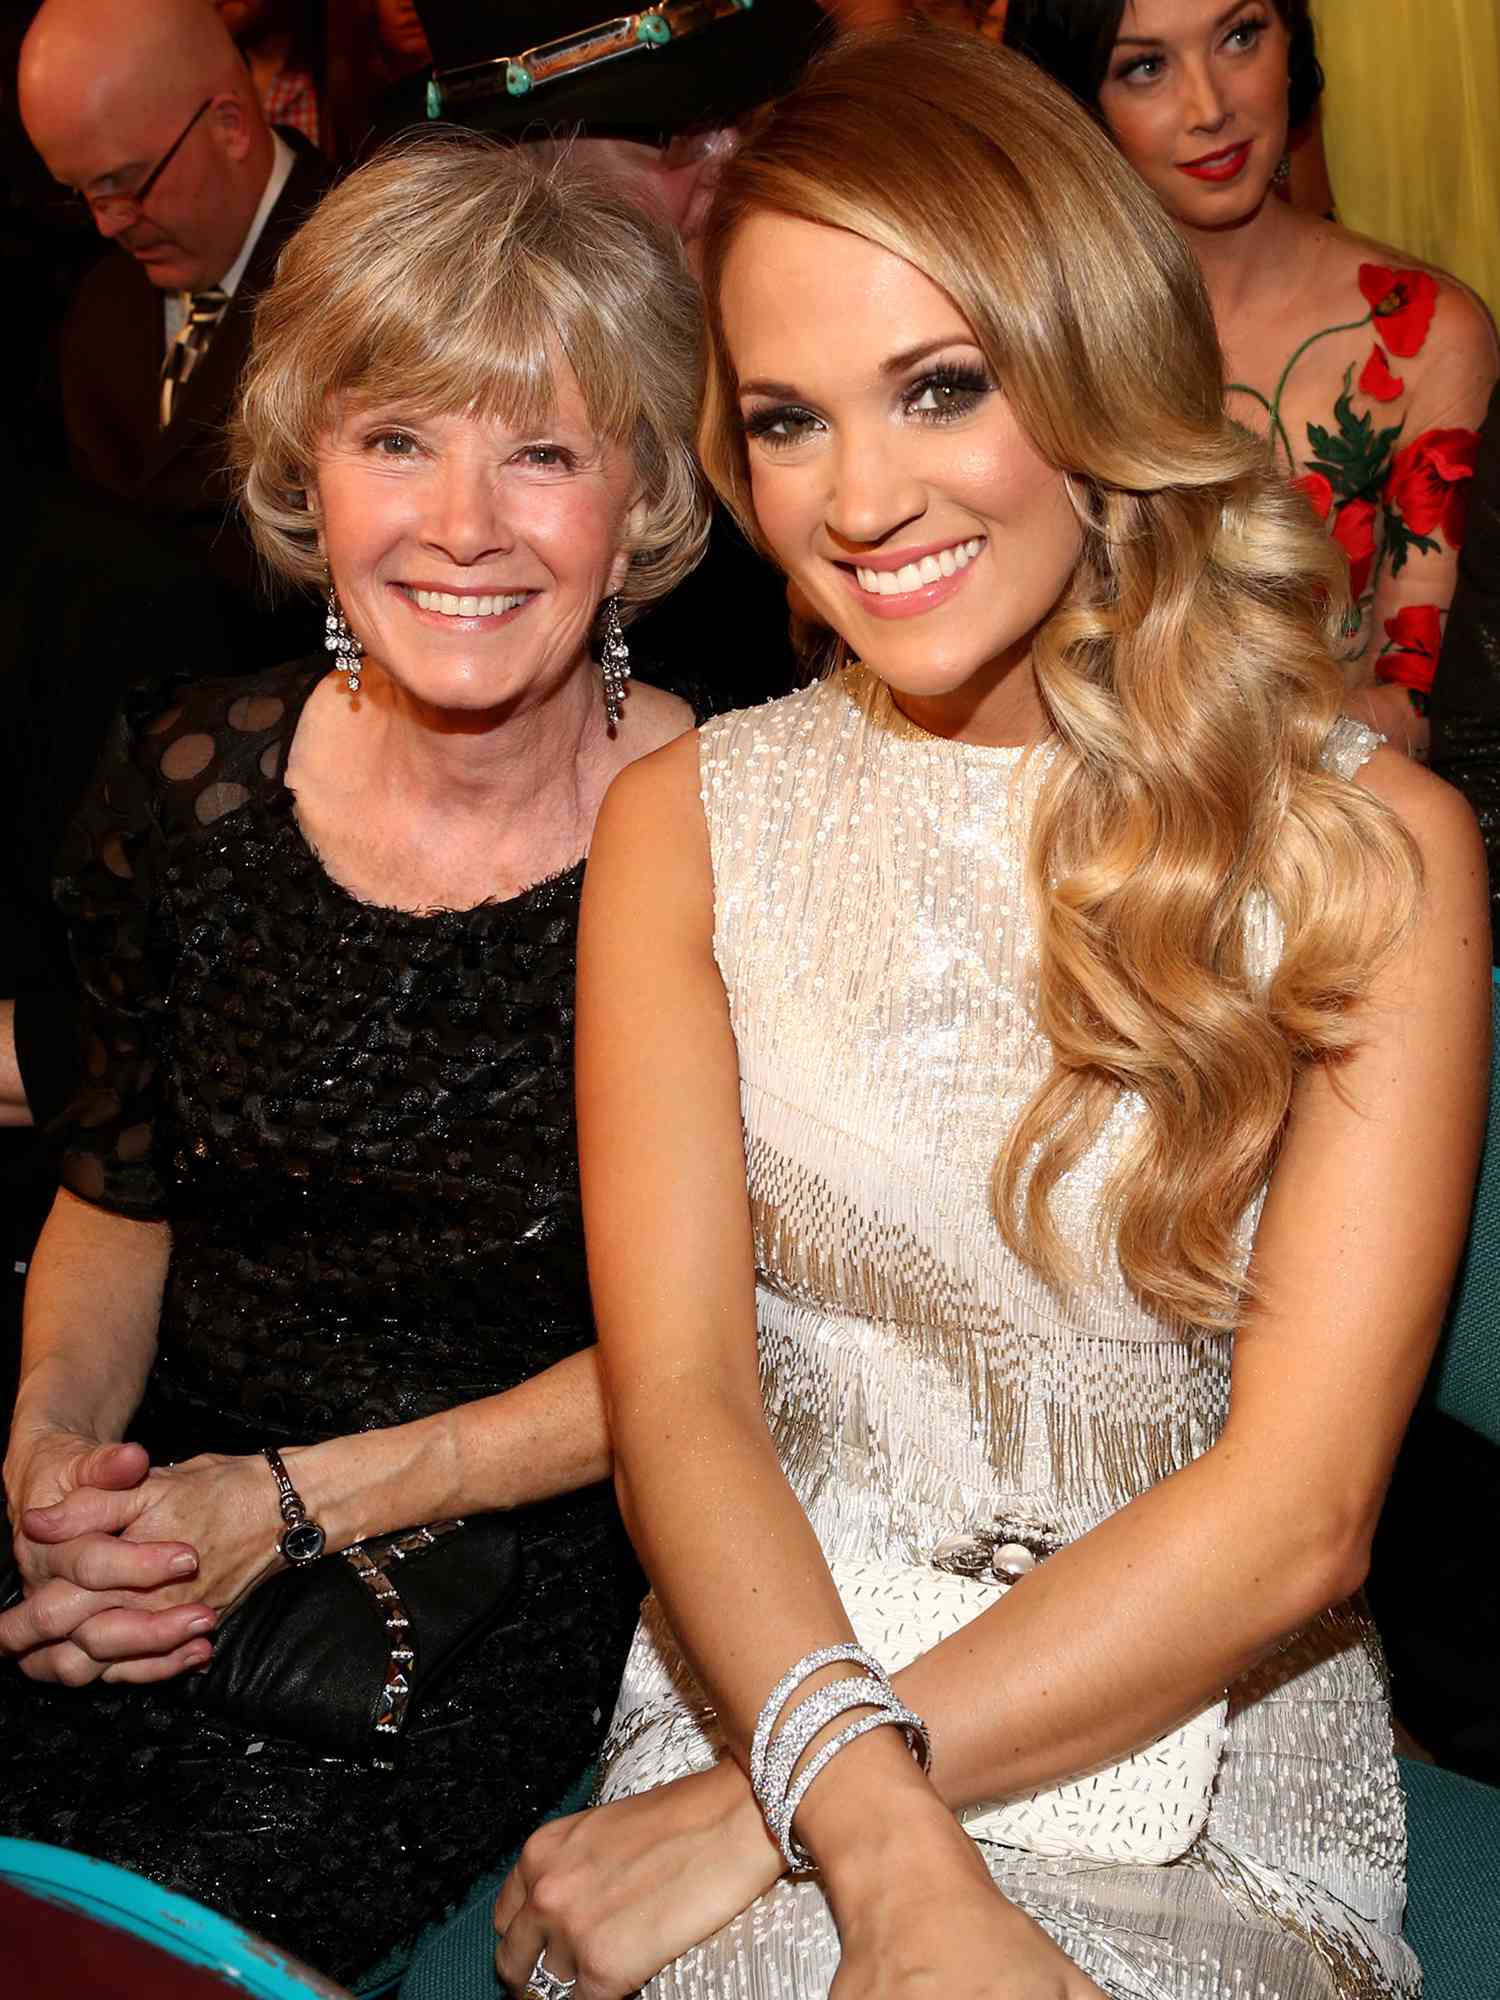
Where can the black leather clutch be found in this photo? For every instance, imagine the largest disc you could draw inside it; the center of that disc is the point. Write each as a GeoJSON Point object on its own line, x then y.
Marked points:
{"type": "Point", "coordinates": [337, 1654]}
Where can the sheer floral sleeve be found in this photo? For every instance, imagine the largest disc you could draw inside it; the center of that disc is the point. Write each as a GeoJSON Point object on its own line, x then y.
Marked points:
{"type": "Point", "coordinates": [1425, 497]}
{"type": "Point", "coordinates": [1390, 472]}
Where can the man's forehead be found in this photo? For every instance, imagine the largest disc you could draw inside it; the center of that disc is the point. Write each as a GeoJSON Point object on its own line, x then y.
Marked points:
{"type": "Point", "coordinates": [107, 139]}
{"type": "Point", "coordinates": [127, 171]}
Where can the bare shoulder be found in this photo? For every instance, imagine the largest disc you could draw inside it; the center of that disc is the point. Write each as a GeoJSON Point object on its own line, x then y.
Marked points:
{"type": "Point", "coordinates": [650, 844]}
{"type": "Point", "coordinates": [662, 786]}
{"type": "Point", "coordinates": [1432, 313]}
{"type": "Point", "coordinates": [652, 718]}
{"type": "Point", "coordinates": [1464, 323]}
{"type": "Point", "coordinates": [1439, 821]}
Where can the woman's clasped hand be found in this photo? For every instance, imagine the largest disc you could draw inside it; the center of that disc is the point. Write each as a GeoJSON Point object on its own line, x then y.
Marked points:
{"type": "Point", "coordinates": [130, 1566]}
{"type": "Point", "coordinates": [615, 1893]}
{"type": "Point", "coordinates": [611, 1896]}
{"type": "Point", "coordinates": [101, 1602]}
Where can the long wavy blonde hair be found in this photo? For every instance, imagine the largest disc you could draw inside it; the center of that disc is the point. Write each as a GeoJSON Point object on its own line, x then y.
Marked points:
{"type": "Point", "coordinates": [1187, 672]}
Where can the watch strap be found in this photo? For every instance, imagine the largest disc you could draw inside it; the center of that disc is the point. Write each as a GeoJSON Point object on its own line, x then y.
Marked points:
{"type": "Point", "coordinates": [304, 1539]}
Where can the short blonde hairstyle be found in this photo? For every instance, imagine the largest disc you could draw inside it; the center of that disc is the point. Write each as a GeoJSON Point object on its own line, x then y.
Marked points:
{"type": "Point", "coordinates": [1187, 672]}
{"type": "Point", "coordinates": [448, 274]}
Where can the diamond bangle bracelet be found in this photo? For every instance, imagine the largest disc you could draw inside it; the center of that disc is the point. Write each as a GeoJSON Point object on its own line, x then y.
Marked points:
{"type": "Point", "coordinates": [778, 1745]}
{"type": "Point", "coordinates": [810, 1664]}
{"type": "Point", "coordinates": [891, 1713]}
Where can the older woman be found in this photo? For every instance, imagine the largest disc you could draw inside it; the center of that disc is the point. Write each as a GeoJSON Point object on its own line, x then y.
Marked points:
{"type": "Point", "coordinates": [321, 1195]}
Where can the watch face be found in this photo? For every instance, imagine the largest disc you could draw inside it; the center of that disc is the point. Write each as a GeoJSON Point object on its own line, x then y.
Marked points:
{"type": "Point", "coordinates": [304, 1543]}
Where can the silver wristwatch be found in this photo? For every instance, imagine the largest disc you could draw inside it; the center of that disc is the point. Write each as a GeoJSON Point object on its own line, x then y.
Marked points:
{"type": "Point", "coordinates": [304, 1541]}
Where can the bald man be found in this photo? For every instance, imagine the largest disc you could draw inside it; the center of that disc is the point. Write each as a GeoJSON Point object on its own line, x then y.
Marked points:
{"type": "Point", "coordinates": [148, 113]}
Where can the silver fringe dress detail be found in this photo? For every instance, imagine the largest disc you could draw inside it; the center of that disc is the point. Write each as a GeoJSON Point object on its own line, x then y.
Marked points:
{"type": "Point", "coordinates": [872, 931]}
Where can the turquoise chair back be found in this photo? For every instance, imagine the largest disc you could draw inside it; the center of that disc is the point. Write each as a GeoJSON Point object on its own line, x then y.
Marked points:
{"type": "Point", "coordinates": [1453, 1823]}
{"type": "Point", "coordinates": [1465, 1381]}
{"type": "Point", "coordinates": [175, 1924]}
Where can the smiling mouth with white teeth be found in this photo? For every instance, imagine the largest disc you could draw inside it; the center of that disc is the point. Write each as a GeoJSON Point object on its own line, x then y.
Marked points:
{"type": "Point", "coordinates": [449, 605]}
{"type": "Point", "coordinates": [918, 575]}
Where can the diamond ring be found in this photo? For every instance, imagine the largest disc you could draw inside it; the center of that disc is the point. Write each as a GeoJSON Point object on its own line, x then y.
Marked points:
{"type": "Point", "coordinates": [544, 1984]}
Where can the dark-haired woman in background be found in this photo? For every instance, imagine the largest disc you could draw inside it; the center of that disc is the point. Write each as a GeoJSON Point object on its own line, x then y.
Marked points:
{"type": "Point", "coordinates": [1368, 375]}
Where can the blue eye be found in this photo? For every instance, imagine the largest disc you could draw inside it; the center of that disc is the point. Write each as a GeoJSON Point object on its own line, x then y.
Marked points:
{"type": "Point", "coordinates": [1245, 34]}
{"type": "Point", "coordinates": [1139, 70]}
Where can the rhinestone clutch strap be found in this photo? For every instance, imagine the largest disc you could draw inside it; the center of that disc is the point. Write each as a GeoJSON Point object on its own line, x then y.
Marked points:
{"type": "Point", "coordinates": [1149, 1808]}
{"type": "Point", "coordinates": [337, 1654]}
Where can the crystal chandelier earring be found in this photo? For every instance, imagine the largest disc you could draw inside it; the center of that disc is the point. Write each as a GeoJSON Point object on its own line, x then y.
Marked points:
{"type": "Point", "coordinates": [614, 661]}
{"type": "Point", "coordinates": [348, 653]}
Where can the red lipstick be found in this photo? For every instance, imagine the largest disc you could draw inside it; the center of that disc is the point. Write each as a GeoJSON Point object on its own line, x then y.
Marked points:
{"type": "Point", "coordinates": [1226, 165]}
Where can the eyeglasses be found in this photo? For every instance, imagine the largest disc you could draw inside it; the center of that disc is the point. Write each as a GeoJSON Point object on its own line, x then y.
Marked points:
{"type": "Point", "coordinates": [127, 209]}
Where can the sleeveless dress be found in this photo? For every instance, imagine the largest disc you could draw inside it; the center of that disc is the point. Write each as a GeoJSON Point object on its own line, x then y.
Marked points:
{"type": "Point", "coordinates": [359, 1124]}
{"type": "Point", "coordinates": [872, 932]}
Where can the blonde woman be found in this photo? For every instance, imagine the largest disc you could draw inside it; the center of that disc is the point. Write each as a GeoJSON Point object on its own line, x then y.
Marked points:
{"type": "Point", "coordinates": [1056, 952]}
{"type": "Point", "coordinates": [320, 1193]}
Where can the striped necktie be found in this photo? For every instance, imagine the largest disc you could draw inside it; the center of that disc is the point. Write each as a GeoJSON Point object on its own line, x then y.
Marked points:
{"type": "Point", "coordinates": [205, 310]}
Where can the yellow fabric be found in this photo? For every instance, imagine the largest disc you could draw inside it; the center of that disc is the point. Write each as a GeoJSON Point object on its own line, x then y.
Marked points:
{"type": "Point", "coordinates": [1411, 127]}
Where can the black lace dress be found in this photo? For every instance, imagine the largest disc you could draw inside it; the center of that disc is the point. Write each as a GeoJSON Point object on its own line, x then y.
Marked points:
{"type": "Point", "coordinates": [359, 1123]}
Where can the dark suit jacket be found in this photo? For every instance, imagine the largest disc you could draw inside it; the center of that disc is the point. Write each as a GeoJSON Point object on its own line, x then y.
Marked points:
{"type": "Point", "coordinates": [110, 360]}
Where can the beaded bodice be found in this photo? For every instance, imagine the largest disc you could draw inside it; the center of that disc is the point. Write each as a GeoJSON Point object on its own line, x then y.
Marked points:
{"type": "Point", "coordinates": [873, 932]}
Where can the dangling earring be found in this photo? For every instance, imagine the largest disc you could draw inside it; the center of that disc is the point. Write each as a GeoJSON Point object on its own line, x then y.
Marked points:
{"type": "Point", "coordinates": [614, 661]}
{"type": "Point", "coordinates": [347, 651]}
{"type": "Point", "coordinates": [1283, 175]}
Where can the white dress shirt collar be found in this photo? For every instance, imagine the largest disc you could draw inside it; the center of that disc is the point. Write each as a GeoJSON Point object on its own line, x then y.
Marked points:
{"type": "Point", "coordinates": [175, 304]}
{"type": "Point", "coordinates": [281, 168]}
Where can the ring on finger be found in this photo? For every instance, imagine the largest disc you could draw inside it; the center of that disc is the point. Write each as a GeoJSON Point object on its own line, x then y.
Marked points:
{"type": "Point", "coordinates": [543, 1984]}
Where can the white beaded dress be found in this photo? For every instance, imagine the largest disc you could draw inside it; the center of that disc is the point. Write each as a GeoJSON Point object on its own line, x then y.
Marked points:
{"type": "Point", "coordinates": [871, 928]}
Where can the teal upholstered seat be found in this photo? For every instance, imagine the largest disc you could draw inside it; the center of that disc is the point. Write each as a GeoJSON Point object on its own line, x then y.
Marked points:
{"type": "Point", "coordinates": [1466, 1375]}
{"type": "Point", "coordinates": [455, 1959]}
{"type": "Point", "coordinates": [1453, 1882]}
{"type": "Point", "coordinates": [1453, 1823]}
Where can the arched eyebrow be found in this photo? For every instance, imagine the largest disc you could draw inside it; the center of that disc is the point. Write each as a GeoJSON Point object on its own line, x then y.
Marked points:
{"type": "Point", "coordinates": [1155, 41]}
{"type": "Point", "coordinates": [894, 364]}
{"type": "Point", "coordinates": [910, 357]}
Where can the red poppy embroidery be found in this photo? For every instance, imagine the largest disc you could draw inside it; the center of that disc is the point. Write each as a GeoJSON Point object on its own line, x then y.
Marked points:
{"type": "Point", "coordinates": [1429, 483]}
{"type": "Point", "coordinates": [1402, 303]}
{"type": "Point", "coordinates": [1318, 490]}
{"type": "Point", "coordinates": [1354, 531]}
{"type": "Point", "coordinates": [1377, 381]}
{"type": "Point", "coordinates": [1415, 637]}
